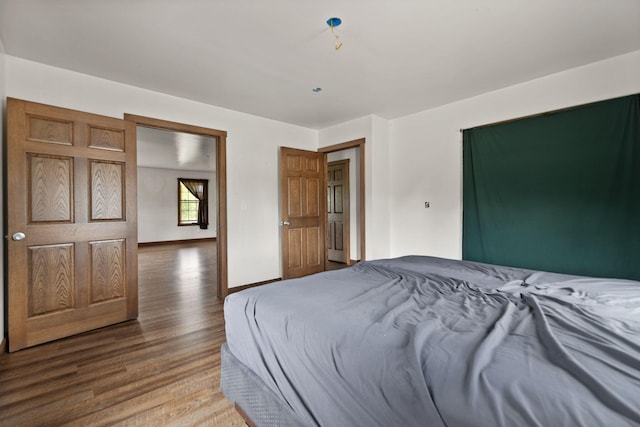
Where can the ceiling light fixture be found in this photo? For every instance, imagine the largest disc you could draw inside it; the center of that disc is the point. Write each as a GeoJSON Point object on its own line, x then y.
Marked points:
{"type": "Point", "coordinates": [333, 23]}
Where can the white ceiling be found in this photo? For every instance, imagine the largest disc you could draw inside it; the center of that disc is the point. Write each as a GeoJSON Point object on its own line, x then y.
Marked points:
{"type": "Point", "coordinates": [175, 150]}
{"type": "Point", "coordinates": [265, 57]}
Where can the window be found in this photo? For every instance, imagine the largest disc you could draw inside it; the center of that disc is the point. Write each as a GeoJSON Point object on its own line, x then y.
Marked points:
{"type": "Point", "coordinates": [193, 202]}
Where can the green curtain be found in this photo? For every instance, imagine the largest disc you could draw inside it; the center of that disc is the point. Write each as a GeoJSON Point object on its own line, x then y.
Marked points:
{"type": "Point", "coordinates": [557, 192]}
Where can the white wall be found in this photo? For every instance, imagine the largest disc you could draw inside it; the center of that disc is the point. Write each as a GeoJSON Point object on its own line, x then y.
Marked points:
{"type": "Point", "coordinates": [252, 151]}
{"type": "Point", "coordinates": [426, 150]}
{"type": "Point", "coordinates": [375, 131]}
{"type": "Point", "coordinates": [380, 214]}
{"type": "Point", "coordinates": [408, 161]}
{"type": "Point", "coordinates": [3, 105]}
{"type": "Point", "coordinates": [158, 205]}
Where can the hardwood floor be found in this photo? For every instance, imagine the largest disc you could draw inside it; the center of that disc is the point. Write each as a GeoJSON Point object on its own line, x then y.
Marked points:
{"type": "Point", "coordinates": [162, 369]}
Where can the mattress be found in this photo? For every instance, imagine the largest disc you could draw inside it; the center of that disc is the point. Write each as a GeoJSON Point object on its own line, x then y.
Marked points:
{"type": "Point", "coordinates": [429, 341]}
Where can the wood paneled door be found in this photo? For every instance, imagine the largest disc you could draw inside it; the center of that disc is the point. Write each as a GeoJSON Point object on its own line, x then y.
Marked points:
{"type": "Point", "coordinates": [71, 203]}
{"type": "Point", "coordinates": [338, 211]}
{"type": "Point", "coordinates": [302, 209]}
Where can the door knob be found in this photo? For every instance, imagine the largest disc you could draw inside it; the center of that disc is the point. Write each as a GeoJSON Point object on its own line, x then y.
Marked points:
{"type": "Point", "coordinates": [286, 223]}
{"type": "Point", "coordinates": [18, 236]}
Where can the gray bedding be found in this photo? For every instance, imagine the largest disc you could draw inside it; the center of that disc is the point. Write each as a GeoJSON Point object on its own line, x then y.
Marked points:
{"type": "Point", "coordinates": [422, 341]}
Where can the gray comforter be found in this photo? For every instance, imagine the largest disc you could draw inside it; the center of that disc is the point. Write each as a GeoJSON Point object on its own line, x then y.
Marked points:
{"type": "Point", "coordinates": [421, 341]}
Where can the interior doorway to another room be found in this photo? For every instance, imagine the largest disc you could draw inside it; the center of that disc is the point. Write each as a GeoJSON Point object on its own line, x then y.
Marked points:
{"type": "Point", "coordinates": [353, 228]}
{"type": "Point", "coordinates": [338, 211]}
{"type": "Point", "coordinates": [168, 151]}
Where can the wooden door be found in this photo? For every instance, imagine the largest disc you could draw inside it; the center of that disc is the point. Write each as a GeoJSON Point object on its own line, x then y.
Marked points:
{"type": "Point", "coordinates": [338, 211]}
{"type": "Point", "coordinates": [71, 202]}
{"type": "Point", "coordinates": [302, 209]}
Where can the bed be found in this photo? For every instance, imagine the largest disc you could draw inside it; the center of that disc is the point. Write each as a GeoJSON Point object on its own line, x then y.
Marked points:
{"type": "Point", "coordinates": [424, 341]}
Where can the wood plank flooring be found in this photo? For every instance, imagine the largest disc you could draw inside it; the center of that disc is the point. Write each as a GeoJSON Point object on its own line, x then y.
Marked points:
{"type": "Point", "coordinates": [162, 369]}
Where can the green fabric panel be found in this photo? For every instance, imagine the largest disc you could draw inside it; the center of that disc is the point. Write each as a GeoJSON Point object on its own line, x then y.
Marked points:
{"type": "Point", "coordinates": [558, 192]}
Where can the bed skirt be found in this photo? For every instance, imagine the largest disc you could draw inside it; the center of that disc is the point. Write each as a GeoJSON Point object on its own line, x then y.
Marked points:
{"type": "Point", "coordinates": [245, 389]}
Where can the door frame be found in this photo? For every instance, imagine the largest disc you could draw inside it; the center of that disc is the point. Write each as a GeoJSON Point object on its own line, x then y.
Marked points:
{"type": "Point", "coordinates": [356, 143]}
{"type": "Point", "coordinates": [221, 185]}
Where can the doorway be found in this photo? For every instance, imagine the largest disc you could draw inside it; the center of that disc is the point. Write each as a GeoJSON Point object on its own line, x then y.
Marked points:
{"type": "Point", "coordinates": [353, 151]}
{"type": "Point", "coordinates": [338, 210]}
{"type": "Point", "coordinates": [201, 137]}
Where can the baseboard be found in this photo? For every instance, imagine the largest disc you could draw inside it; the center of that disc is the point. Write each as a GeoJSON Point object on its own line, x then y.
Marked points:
{"type": "Point", "coordinates": [173, 242]}
{"type": "Point", "coordinates": [266, 282]}
{"type": "Point", "coordinates": [251, 285]}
